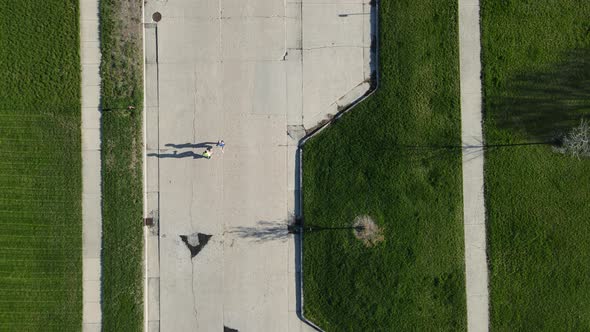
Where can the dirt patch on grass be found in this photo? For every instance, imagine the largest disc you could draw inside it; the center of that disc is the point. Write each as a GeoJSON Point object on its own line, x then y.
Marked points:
{"type": "Point", "coordinates": [366, 230]}
{"type": "Point", "coordinates": [121, 43]}
{"type": "Point", "coordinates": [129, 16]}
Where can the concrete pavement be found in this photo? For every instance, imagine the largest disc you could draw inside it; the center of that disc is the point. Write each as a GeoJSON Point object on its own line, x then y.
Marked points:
{"type": "Point", "coordinates": [476, 269]}
{"type": "Point", "coordinates": [91, 165]}
{"type": "Point", "coordinates": [256, 73]}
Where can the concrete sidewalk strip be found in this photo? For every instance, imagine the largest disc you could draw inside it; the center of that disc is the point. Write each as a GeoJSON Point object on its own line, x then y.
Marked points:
{"type": "Point", "coordinates": [91, 166]}
{"type": "Point", "coordinates": [476, 269]}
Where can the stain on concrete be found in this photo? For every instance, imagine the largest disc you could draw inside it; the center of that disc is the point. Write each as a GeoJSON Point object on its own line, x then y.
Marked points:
{"type": "Point", "coordinates": [195, 242]}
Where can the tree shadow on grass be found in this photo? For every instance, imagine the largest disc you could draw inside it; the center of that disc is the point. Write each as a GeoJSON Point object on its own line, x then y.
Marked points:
{"type": "Point", "coordinates": [546, 103]}
{"type": "Point", "coordinates": [422, 153]}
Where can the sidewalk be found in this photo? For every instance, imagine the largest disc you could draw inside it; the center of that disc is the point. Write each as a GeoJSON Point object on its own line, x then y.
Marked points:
{"type": "Point", "coordinates": [476, 270]}
{"type": "Point", "coordinates": [91, 165]}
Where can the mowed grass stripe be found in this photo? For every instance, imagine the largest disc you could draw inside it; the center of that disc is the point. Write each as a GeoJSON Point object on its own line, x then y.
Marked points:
{"type": "Point", "coordinates": [40, 166]}
{"type": "Point", "coordinates": [21, 195]}
{"type": "Point", "coordinates": [536, 58]}
{"type": "Point", "coordinates": [59, 250]}
{"type": "Point", "coordinates": [37, 226]}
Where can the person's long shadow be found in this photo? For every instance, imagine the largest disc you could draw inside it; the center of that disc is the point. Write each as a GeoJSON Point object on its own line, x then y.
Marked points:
{"type": "Point", "coordinates": [192, 145]}
{"type": "Point", "coordinates": [175, 154]}
{"type": "Point", "coordinates": [187, 154]}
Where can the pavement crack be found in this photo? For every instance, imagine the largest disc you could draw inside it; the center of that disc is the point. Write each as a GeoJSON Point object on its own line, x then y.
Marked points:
{"type": "Point", "coordinates": [196, 97]}
{"type": "Point", "coordinates": [193, 288]}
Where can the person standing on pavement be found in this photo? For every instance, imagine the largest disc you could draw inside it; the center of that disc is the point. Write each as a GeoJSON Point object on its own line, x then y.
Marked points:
{"type": "Point", "coordinates": [208, 153]}
{"type": "Point", "coordinates": [221, 144]}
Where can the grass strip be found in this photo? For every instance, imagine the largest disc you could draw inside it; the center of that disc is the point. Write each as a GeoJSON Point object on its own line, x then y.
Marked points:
{"type": "Point", "coordinates": [536, 61]}
{"type": "Point", "coordinates": [122, 79]}
{"type": "Point", "coordinates": [384, 159]}
{"type": "Point", "coordinates": [40, 166]}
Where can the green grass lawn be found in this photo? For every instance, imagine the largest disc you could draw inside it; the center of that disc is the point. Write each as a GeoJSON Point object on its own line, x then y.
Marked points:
{"type": "Point", "coordinates": [122, 79]}
{"type": "Point", "coordinates": [381, 160]}
{"type": "Point", "coordinates": [40, 166]}
{"type": "Point", "coordinates": [536, 58]}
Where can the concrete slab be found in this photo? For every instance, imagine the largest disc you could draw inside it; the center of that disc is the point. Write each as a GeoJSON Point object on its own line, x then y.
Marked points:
{"type": "Point", "coordinates": [293, 292]}
{"type": "Point", "coordinates": [92, 313]}
{"type": "Point", "coordinates": [92, 230]}
{"type": "Point", "coordinates": [353, 95]}
{"type": "Point", "coordinates": [253, 38]}
{"type": "Point", "coordinates": [294, 86]}
{"type": "Point", "coordinates": [151, 126]}
{"type": "Point", "coordinates": [90, 52]}
{"type": "Point", "coordinates": [91, 269]}
{"type": "Point", "coordinates": [328, 74]}
{"type": "Point", "coordinates": [153, 260]}
{"type": "Point", "coordinates": [234, 72]}
{"type": "Point", "coordinates": [293, 14]}
{"type": "Point", "coordinates": [92, 292]}
{"type": "Point", "coordinates": [198, 40]}
{"type": "Point", "coordinates": [88, 31]}
{"type": "Point", "coordinates": [89, 209]}
{"type": "Point", "coordinates": [154, 326]}
{"type": "Point", "coordinates": [470, 100]}
{"type": "Point", "coordinates": [184, 10]}
{"type": "Point", "coordinates": [151, 86]}
{"type": "Point", "coordinates": [90, 139]}
{"type": "Point", "coordinates": [91, 327]}
{"type": "Point", "coordinates": [154, 297]}
{"type": "Point", "coordinates": [92, 243]}
{"type": "Point", "coordinates": [91, 98]}
{"type": "Point", "coordinates": [91, 117]}
{"type": "Point", "coordinates": [340, 25]}
{"type": "Point", "coordinates": [152, 202]}
{"type": "Point", "coordinates": [151, 50]}
{"type": "Point", "coordinates": [369, 21]}
{"type": "Point", "coordinates": [91, 74]}
{"type": "Point", "coordinates": [89, 10]}
{"type": "Point", "coordinates": [252, 8]}
{"type": "Point", "coordinates": [152, 170]}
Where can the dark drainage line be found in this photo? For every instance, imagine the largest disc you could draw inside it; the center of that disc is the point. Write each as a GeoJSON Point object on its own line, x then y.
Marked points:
{"type": "Point", "coordinates": [299, 157]}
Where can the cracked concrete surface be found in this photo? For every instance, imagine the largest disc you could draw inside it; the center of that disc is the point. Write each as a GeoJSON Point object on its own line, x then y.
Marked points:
{"type": "Point", "coordinates": [256, 73]}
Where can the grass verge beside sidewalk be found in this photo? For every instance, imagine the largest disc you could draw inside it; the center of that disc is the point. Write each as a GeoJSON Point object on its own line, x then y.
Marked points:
{"type": "Point", "coordinates": [122, 80]}
{"type": "Point", "coordinates": [536, 61]}
{"type": "Point", "coordinates": [384, 159]}
{"type": "Point", "coordinates": [40, 166]}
